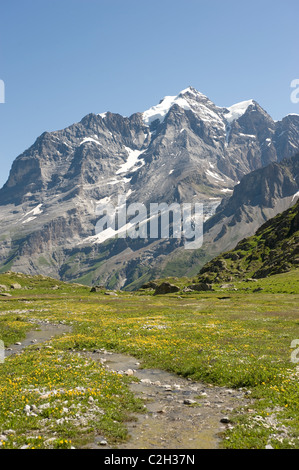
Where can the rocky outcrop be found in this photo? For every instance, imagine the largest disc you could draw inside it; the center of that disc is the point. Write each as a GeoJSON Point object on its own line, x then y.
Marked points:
{"type": "Point", "coordinates": [273, 249]}
{"type": "Point", "coordinates": [166, 288]}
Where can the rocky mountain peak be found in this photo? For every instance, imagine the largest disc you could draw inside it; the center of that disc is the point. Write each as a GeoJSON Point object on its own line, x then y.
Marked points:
{"type": "Point", "coordinates": [184, 149]}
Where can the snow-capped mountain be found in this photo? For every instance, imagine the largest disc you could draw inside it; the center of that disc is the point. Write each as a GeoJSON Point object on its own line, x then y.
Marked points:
{"type": "Point", "coordinates": [184, 149]}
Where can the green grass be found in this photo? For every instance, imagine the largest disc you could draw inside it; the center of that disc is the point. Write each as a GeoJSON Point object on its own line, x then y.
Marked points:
{"type": "Point", "coordinates": [235, 338]}
{"type": "Point", "coordinates": [69, 400]}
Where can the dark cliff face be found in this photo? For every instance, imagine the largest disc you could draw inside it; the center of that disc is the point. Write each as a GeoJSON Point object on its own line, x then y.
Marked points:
{"type": "Point", "coordinates": [185, 149]}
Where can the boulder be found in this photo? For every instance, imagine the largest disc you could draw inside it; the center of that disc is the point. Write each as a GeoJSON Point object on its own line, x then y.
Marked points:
{"type": "Point", "coordinates": [166, 288]}
{"type": "Point", "coordinates": [97, 288]}
{"type": "Point", "coordinates": [16, 285]}
{"type": "Point", "coordinates": [149, 285]}
{"type": "Point", "coordinates": [201, 286]}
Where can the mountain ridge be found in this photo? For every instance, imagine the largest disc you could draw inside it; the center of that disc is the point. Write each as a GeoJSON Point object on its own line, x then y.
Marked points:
{"type": "Point", "coordinates": [48, 205]}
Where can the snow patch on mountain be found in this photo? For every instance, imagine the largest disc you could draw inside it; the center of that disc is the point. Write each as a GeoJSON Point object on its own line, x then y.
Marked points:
{"type": "Point", "coordinates": [237, 110]}
{"type": "Point", "coordinates": [160, 110]}
{"type": "Point", "coordinates": [295, 195]}
{"type": "Point", "coordinates": [89, 139]}
{"type": "Point", "coordinates": [214, 175]}
{"type": "Point", "coordinates": [31, 215]}
{"type": "Point", "coordinates": [133, 159]}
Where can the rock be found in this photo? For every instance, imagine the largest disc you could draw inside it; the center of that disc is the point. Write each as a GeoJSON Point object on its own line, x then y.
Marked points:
{"type": "Point", "coordinates": [201, 286]}
{"type": "Point", "coordinates": [111, 293]}
{"type": "Point", "coordinates": [258, 289]}
{"type": "Point", "coordinates": [129, 372]}
{"type": "Point", "coordinates": [97, 288]}
{"type": "Point", "coordinates": [16, 285]}
{"type": "Point", "coordinates": [90, 399]}
{"type": "Point", "coordinates": [268, 446]}
{"type": "Point", "coordinates": [145, 381]}
{"type": "Point", "coordinates": [44, 406]}
{"type": "Point", "coordinates": [5, 294]}
{"type": "Point", "coordinates": [18, 343]}
{"type": "Point", "coordinates": [7, 432]}
{"type": "Point", "coordinates": [188, 401]}
{"type": "Point", "coordinates": [166, 288]}
{"type": "Point", "coordinates": [103, 442]}
{"type": "Point", "coordinates": [227, 286]}
{"type": "Point", "coordinates": [225, 420]}
{"type": "Point", "coordinates": [3, 287]}
{"type": "Point", "coordinates": [149, 285]}
{"type": "Point", "coordinates": [27, 409]}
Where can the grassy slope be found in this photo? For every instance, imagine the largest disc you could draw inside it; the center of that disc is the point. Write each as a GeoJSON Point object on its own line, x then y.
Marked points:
{"type": "Point", "coordinates": [234, 338]}
{"type": "Point", "coordinates": [273, 249]}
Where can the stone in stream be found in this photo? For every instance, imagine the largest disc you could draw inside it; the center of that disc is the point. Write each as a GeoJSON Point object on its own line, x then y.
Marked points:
{"type": "Point", "coordinates": [145, 381]}
{"type": "Point", "coordinates": [225, 420]}
{"type": "Point", "coordinates": [188, 401]}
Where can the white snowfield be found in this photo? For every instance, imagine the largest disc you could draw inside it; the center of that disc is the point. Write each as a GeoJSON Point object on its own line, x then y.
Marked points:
{"type": "Point", "coordinates": [237, 110]}
{"type": "Point", "coordinates": [160, 110]}
{"type": "Point", "coordinates": [33, 213]}
{"type": "Point", "coordinates": [133, 159]}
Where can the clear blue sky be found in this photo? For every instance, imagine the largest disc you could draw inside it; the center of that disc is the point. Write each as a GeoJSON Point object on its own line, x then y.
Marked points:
{"type": "Point", "coordinates": [62, 59]}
